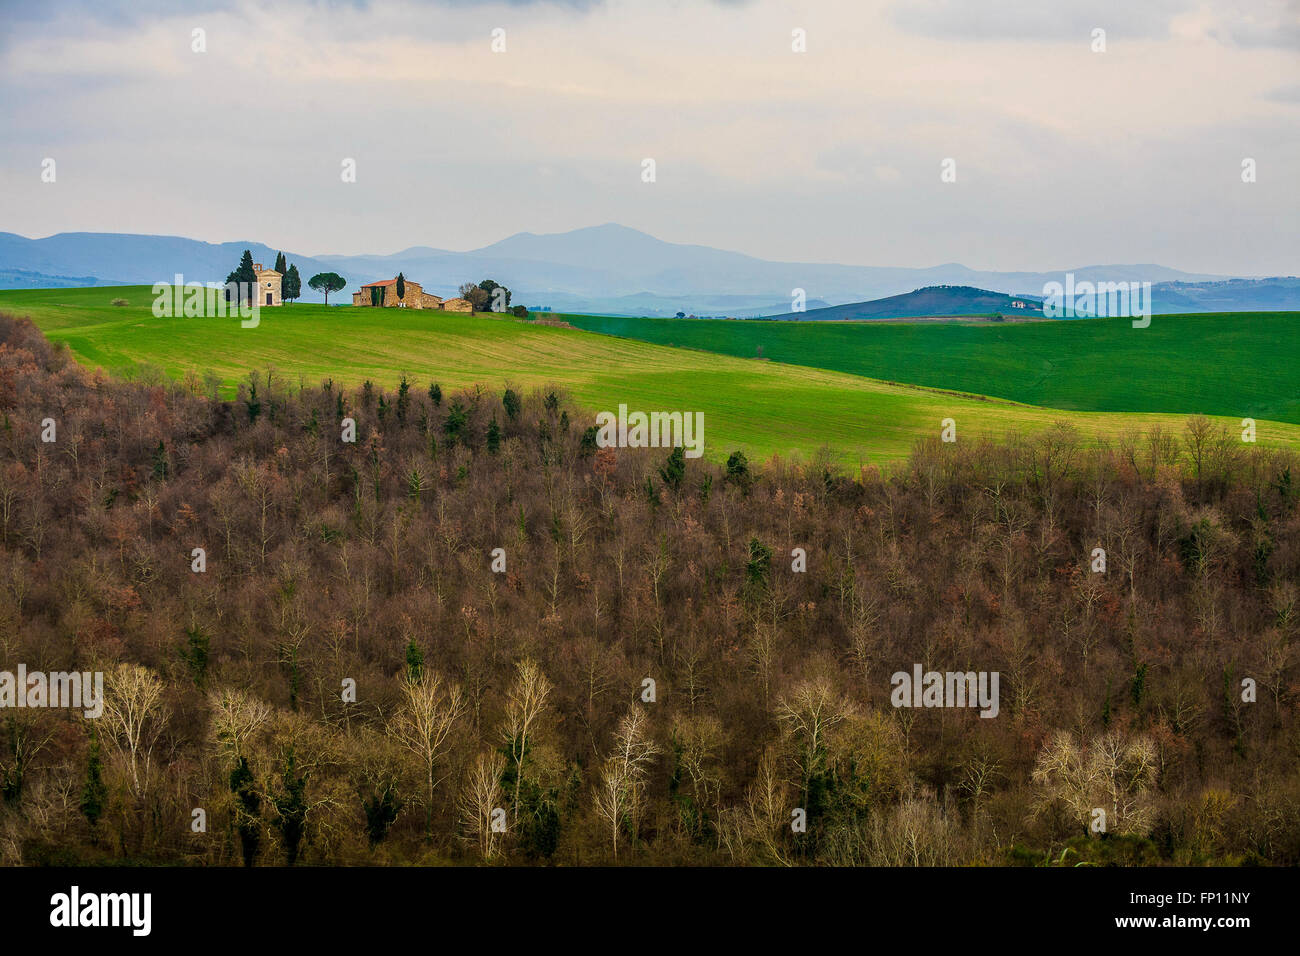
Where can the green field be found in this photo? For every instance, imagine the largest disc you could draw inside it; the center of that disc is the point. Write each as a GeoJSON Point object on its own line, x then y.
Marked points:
{"type": "Point", "coordinates": [1239, 365]}
{"type": "Point", "coordinates": [764, 408]}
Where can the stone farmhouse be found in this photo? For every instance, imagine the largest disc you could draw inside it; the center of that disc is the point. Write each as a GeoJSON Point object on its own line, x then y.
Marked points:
{"type": "Point", "coordinates": [384, 294]}
{"type": "Point", "coordinates": [268, 285]}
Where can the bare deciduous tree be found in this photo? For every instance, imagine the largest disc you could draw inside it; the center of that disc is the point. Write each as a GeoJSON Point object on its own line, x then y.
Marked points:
{"type": "Point", "coordinates": [524, 704]}
{"type": "Point", "coordinates": [27, 735]}
{"type": "Point", "coordinates": [480, 797]}
{"type": "Point", "coordinates": [236, 717]}
{"type": "Point", "coordinates": [619, 793]}
{"type": "Point", "coordinates": [698, 740]}
{"type": "Point", "coordinates": [915, 833]}
{"type": "Point", "coordinates": [134, 718]}
{"type": "Point", "coordinates": [1111, 772]}
{"type": "Point", "coordinates": [430, 709]}
{"type": "Point", "coordinates": [767, 811]}
{"type": "Point", "coordinates": [808, 714]}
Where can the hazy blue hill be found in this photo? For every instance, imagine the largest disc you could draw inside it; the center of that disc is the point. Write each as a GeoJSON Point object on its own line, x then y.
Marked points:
{"type": "Point", "coordinates": [930, 301]}
{"type": "Point", "coordinates": [667, 306]}
{"type": "Point", "coordinates": [592, 269]}
{"type": "Point", "coordinates": [24, 279]}
{"type": "Point", "coordinates": [137, 259]}
{"type": "Point", "coordinates": [1233, 295]}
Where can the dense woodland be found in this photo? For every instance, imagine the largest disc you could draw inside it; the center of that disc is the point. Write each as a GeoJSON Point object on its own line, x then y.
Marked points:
{"type": "Point", "coordinates": [519, 697]}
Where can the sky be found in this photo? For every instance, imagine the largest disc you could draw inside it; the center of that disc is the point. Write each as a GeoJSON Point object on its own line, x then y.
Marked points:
{"type": "Point", "coordinates": [1064, 155]}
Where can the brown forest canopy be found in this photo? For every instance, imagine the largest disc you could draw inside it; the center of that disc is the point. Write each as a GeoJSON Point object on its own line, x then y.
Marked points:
{"type": "Point", "coordinates": [520, 698]}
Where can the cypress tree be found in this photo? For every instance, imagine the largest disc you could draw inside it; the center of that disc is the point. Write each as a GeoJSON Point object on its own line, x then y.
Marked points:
{"type": "Point", "coordinates": [94, 793]}
{"type": "Point", "coordinates": [291, 808]}
{"type": "Point", "coordinates": [160, 462]}
{"type": "Point", "coordinates": [246, 276]}
{"type": "Point", "coordinates": [512, 404]}
{"type": "Point", "coordinates": [248, 813]}
{"type": "Point", "coordinates": [738, 472]}
{"type": "Point", "coordinates": [414, 661]}
{"type": "Point", "coordinates": [195, 653]}
{"type": "Point", "coordinates": [760, 563]}
{"type": "Point", "coordinates": [381, 809]}
{"type": "Point", "coordinates": [674, 469]}
{"type": "Point", "coordinates": [403, 399]}
{"type": "Point", "coordinates": [455, 423]}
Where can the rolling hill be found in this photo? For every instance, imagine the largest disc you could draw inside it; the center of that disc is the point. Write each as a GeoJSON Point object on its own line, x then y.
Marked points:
{"type": "Point", "coordinates": [939, 300]}
{"type": "Point", "coordinates": [1167, 298]}
{"type": "Point", "coordinates": [763, 408]}
{"type": "Point", "coordinates": [1239, 364]}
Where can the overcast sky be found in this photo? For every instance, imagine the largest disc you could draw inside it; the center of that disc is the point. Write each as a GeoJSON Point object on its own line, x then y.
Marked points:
{"type": "Point", "coordinates": [1064, 156]}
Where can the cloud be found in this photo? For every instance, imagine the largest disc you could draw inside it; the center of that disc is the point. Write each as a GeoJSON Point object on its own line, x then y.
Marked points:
{"type": "Point", "coordinates": [1257, 23]}
{"type": "Point", "coordinates": [1036, 20]}
{"type": "Point", "coordinates": [1285, 94]}
{"type": "Point", "coordinates": [1245, 23]}
{"type": "Point", "coordinates": [758, 149]}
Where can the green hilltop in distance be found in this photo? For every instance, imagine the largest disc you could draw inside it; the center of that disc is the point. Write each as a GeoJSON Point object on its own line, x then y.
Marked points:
{"type": "Point", "coordinates": [1279, 294]}
{"type": "Point", "coordinates": [931, 301]}
{"type": "Point", "coordinates": [784, 407]}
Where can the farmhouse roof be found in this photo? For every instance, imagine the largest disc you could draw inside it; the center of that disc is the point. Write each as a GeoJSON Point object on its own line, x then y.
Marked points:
{"type": "Point", "coordinates": [384, 282]}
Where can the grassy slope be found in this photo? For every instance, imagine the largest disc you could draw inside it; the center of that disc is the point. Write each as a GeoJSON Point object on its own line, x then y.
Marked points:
{"type": "Point", "coordinates": [764, 408]}
{"type": "Point", "coordinates": [1237, 365]}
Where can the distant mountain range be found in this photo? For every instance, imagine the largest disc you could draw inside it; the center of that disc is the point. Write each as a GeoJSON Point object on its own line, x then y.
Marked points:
{"type": "Point", "coordinates": [606, 269]}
